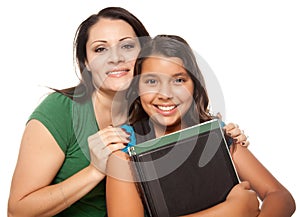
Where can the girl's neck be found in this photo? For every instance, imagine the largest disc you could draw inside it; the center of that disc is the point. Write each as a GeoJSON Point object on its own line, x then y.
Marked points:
{"type": "Point", "coordinates": [164, 130]}
{"type": "Point", "coordinates": [109, 108]}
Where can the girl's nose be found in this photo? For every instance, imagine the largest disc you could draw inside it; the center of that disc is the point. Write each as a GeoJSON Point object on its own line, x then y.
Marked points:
{"type": "Point", "coordinates": [165, 91]}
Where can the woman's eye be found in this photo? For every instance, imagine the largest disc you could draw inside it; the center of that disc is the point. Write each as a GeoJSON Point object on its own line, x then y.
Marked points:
{"type": "Point", "coordinates": [100, 49]}
{"type": "Point", "coordinates": [128, 46]}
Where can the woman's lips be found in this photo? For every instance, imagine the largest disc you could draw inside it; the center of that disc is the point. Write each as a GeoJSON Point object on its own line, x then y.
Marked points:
{"type": "Point", "coordinates": [117, 73]}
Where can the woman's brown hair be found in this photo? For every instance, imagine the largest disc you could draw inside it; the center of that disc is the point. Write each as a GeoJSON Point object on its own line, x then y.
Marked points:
{"type": "Point", "coordinates": [85, 88]}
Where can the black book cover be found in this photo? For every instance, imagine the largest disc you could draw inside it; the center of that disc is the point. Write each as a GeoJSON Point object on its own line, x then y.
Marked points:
{"type": "Point", "coordinates": [184, 172]}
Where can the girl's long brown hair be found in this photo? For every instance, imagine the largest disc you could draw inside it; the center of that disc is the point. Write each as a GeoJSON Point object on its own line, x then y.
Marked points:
{"type": "Point", "coordinates": [171, 46]}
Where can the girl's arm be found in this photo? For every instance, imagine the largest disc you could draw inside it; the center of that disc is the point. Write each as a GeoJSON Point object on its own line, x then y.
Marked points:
{"type": "Point", "coordinates": [123, 198]}
{"type": "Point", "coordinates": [276, 199]}
{"type": "Point", "coordinates": [241, 201]}
{"type": "Point", "coordinates": [39, 160]}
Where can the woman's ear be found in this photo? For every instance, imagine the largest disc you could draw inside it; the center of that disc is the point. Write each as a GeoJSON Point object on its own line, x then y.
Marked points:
{"type": "Point", "coordinates": [87, 65]}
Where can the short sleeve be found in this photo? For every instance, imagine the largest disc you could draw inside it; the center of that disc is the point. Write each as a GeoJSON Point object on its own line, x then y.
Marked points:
{"type": "Point", "coordinates": [55, 113]}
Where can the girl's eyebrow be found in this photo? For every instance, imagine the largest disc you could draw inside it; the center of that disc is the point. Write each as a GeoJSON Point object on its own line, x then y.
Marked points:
{"type": "Point", "coordinates": [149, 74]}
{"type": "Point", "coordinates": [180, 74]}
{"type": "Point", "coordinates": [155, 74]}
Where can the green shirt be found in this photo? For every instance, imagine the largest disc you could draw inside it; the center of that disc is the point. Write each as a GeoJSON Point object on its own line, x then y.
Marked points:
{"type": "Point", "coordinates": [71, 123]}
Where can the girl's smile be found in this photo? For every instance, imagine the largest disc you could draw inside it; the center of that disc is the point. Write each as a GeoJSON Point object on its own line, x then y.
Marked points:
{"type": "Point", "coordinates": [166, 110]}
{"type": "Point", "coordinates": [166, 90]}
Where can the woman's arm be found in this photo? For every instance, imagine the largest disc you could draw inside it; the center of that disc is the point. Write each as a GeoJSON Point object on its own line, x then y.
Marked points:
{"type": "Point", "coordinates": [276, 199]}
{"type": "Point", "coordinates": [39, 160]}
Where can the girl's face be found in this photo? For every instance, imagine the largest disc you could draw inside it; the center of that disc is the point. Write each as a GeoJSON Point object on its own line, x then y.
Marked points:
{"type": "Point", "coordinates": [166, 91]}
{"type": "Point", "coordinates": [112, 48]}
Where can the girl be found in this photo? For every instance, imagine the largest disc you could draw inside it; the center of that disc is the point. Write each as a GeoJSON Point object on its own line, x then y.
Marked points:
{"type": "Point", "coordinates": [169, 94]}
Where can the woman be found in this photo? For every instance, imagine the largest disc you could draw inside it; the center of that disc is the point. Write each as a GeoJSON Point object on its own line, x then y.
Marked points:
{"type": "Point", "coordinates": [169, 95]}
{"type": "Point", "coordinates": [54, 174]}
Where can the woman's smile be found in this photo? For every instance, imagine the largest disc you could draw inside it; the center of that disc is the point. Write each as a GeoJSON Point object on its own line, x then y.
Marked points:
{"type": "Point", "coordinates": [117, 73]}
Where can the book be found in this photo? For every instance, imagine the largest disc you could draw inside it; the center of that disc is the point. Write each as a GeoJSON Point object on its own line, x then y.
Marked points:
{"type": "Point", "coordinates": [184, 172]}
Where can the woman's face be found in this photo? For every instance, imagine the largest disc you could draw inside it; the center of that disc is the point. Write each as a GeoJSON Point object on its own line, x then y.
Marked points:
{"type": "Point", "coordinates": [166, 91]}
{"type": "Point", "coordinates": [112, 48]}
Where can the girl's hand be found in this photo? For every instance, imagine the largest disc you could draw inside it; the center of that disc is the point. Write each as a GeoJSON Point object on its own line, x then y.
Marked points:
{"type": "Point", "coordinates": [243, 200]}
{"type": "Point", "coordinates": [238, 135]}
{"type": "Point", "coordinates": [105, 142]}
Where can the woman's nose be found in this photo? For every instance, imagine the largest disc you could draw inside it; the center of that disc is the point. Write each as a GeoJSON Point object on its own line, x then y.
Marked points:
{"type": "Point", "coordinates": [116, 55]}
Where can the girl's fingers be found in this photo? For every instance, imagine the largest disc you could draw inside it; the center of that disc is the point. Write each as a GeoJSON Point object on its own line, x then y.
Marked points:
{"type": "Point", "coordinates": [240, 138]}
{"type": "Point", "coordinates": [230, 126]}
{"type": "Point", "coordinates": [236, 134]}
{"type": "Point", "coordinates": [245, 185]}
{"type": "Point", "coordinates": [245, 143]}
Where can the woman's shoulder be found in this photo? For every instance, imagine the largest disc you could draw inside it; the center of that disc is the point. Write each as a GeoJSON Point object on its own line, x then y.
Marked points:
{"type": "Point", "coordinates": [55, 102]}
{"type": "Point", "coordinates": [54, 106]}
{"type": "Point", "coordinates": [57, 99]}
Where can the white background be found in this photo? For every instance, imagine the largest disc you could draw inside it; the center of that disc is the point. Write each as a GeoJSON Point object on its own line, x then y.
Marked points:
{"type": "Point", "coordinates": [253, 48]}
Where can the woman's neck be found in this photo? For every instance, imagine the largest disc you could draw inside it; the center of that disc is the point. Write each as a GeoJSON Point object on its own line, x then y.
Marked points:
{"type": "Point", "coordinates": [109, 108]}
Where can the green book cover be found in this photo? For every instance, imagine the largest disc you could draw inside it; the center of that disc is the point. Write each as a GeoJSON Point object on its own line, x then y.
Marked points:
{"type": "Point", "coordinates": [173, 137]}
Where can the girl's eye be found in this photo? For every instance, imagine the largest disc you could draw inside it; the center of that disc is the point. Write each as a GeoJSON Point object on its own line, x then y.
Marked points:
{"type": "Point", "coordinates": [179, 80]}
{"type": "Point", "coordinates": [100, 49]}
{"type": "Point", "coordinates": [151, 81]}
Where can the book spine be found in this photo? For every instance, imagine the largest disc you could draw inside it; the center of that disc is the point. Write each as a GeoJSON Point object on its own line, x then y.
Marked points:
{"type": "Point", "coordinates": [139, 184]}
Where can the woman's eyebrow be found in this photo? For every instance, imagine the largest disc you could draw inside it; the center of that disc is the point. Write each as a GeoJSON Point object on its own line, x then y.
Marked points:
{"type": "Point", "coordinates": [101, 41]}
{"type": "Point", "coordinates": [104, 41]}
{"type": "Point", "coordinates": [128, 37]}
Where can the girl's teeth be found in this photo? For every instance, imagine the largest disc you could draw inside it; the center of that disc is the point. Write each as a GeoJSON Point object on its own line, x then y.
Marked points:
{"type": "Point", "coordinates": [166, 108]}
